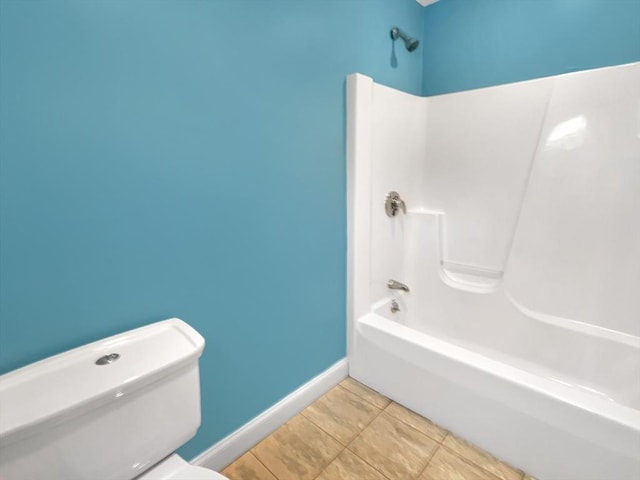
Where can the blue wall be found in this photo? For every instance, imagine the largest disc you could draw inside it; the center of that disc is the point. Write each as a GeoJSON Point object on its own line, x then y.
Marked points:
{"type": "Point", "coordinates": [477, 43]}
{"type": "Point", "coordinates": [185, 158]}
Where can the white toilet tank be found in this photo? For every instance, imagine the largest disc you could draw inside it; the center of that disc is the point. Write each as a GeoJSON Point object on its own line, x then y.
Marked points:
{"type": "Point", "coordinates": [67, 418]}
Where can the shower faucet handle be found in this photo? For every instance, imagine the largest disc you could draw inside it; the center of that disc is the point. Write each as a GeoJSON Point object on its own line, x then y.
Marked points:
{"type": "Point", "coordinates": [393, 204]}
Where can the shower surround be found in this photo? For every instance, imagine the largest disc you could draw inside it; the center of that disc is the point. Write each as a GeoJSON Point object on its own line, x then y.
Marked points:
{"type": "Point", "coordinates": [521, 250]}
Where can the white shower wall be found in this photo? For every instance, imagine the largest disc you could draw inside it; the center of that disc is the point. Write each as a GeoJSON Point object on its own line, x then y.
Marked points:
{"type": "Point", "coordinates": [479, 149]}
{"type": "Point", "coordinates": [576, 253]}
{"type": "Point", "coordinates": [539, 186]}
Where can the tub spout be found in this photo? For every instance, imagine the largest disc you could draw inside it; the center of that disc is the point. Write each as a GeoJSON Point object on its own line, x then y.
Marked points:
{"type": "Point", "coordinates": [395, 285]}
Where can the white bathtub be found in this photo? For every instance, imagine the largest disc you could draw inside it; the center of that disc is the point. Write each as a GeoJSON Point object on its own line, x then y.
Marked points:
{"type": "Point", "coordinates": [548, 429]}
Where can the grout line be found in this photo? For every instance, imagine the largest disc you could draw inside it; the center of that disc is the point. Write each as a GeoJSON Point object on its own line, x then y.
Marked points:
{"type": "Point", "coordinates": [491, 457]}
{"type": "Point", "coordinates": [365, 427]}
{"type": "Point", "coordinates": [320, 473]}
{"type": "Point", "coordinates": [435, 450]}
{"type": "Point", "coordinates": [344, 445]}
{"type": "Point", "coordinates": [380, 410]}
{"type": "Point", "coordinates": [361, 397]}
{"type": "Point", "coordinates": [414, 428]}
{"type": "Point", "coordinates": [440, 445]}
{"type": "Point", "coordinates": [475, 464]}
{"type": "Point", "coordinates": [438, 442]}
{"type": "Point", "coordinates": [433, 454]}
{"type": "Point", "coordinates": [372, 466]}
{"type": "Point", "coordinates": [324, 431]}
{"type": "Point", "coordinates": [263, 464]}
{"type": "Point", "coordinates": [358, 456]}
{"type": "Point", "coordinates": [330, 462]}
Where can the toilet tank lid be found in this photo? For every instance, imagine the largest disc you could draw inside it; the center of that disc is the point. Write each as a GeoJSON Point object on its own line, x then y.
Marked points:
{"type": "Point", "coordinates": [72, 381]}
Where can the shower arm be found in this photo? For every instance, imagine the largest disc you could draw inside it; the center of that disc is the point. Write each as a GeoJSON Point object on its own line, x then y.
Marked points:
{"type": "Point", "coordinates": [409, 42]}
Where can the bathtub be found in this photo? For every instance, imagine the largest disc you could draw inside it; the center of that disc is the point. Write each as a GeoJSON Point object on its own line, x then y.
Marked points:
{"type": "Point", "coordinates": [521, 329]}
{"type": "Point", "coordinates": [551, 430]}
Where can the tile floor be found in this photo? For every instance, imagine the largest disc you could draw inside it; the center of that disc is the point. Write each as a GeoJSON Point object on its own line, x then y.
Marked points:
{"type": "Point", "coordinates": [354, 433]}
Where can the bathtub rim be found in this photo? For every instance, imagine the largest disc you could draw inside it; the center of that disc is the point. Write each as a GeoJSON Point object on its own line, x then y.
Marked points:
{"type": "Point", "coordinates": [372, 325]}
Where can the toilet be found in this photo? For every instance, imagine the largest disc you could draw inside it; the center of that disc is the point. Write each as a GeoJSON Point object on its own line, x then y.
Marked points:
{"type": "Point", "coordinates": [116, 409]}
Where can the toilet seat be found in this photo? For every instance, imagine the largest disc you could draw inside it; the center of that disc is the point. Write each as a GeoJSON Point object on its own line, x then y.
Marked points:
{"type": "Point", "coordinates": [174, 467]}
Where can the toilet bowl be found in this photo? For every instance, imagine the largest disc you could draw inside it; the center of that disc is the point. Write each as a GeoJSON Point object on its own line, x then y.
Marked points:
{"type": "Point", "coordinates": [116, 409]}
{"type": "Point", "coordinates": [175, 467]}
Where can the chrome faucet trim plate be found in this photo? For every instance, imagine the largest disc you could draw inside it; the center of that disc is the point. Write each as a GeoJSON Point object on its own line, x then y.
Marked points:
{"type": "Point", "coordinates": [393, 204]}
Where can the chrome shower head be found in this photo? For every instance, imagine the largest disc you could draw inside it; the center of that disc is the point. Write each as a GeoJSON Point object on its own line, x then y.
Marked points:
{"type": "Point", "coordinates": [409, 42]}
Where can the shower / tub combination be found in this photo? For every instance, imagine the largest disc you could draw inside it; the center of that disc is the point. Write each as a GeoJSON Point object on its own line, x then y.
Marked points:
{"type": "Point", "coordinates": [511, 215]}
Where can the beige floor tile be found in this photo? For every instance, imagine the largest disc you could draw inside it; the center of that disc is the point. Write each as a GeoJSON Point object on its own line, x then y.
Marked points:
{"type": "Point", "coordinates": [418, 422]}
{"type": "Point", "coordinates": [298, 450]}
{"type": "Point", "coordinates": [482, 458]}
{"type": "Point", "coordinates": [350, 467]}
{"type": "Point", "coordinates": [365, 392]}
{"type": "Point", "coordinates": [247, 467]}
{"type": "Point", "coordinates": [341, 414]}
{"type": "Point", "coordinates": [446, 465]}
{"type": "Point", "coordinates": [397, 450]}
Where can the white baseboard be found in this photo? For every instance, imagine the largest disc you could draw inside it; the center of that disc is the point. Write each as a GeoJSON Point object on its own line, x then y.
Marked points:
{"type": "Point", "coordinates": [232, 446]}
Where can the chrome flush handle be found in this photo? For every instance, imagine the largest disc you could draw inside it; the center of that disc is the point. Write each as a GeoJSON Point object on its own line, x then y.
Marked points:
{"type": "Point", "coordinates": [394, 204]}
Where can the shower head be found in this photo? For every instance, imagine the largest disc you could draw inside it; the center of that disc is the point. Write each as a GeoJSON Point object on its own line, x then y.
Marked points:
{"type": "Point", "coordinates": [410, 43]}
